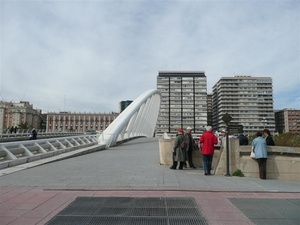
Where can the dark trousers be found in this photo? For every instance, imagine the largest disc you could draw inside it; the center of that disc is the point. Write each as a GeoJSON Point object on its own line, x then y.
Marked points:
{"type": "Point", "coordinates": [262, 165]}
{"type": "Point", "coordinates": [190, 158]}
{"type": "Point", "coordinates": [175, 163]}
{"type": "Point", "coordinates": [207, 161]}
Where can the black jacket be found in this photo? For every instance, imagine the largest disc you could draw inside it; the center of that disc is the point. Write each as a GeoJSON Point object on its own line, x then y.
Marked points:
{"type": "Point", "coordinates": [243, 139]}
{"type": "Point", "coordinates": [270, 141]}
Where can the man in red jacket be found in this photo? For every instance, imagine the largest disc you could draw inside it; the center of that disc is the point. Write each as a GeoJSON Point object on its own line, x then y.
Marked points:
{"type": "Point", "coordinates": [208, 140]}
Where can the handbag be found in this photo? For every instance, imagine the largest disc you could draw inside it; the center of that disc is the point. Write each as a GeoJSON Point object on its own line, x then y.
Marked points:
{"type": "Point", "coordinates": [252, 154]}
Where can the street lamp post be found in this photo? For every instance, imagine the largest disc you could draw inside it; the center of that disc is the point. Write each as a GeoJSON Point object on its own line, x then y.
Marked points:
{"type": "Point", "coordinates": [227, 118]}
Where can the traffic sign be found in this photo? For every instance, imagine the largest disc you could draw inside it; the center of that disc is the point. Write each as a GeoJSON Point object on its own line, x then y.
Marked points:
{"type": "Point", "coordinates": [235, 129]}
{"type": "Point", "coordinates": [226, 118]}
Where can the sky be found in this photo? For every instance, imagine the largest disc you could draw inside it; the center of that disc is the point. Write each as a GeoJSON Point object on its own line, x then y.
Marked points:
{"type": "Point", "coordinates": [87, 56]}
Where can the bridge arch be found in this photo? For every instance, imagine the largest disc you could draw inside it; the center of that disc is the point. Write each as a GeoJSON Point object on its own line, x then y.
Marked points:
{"type": "Point", "coordinates": [138, 119]}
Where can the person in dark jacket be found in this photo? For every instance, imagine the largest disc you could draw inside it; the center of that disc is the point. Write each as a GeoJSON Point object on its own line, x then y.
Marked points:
{"type": "Point", "coordinates": [208, 141]}
{"type": "Point", "coordinates": [179, 154]}
{"type": "Point", "coordinates": [243, 139]}
{"type": "Point", "coordinates": [190, 146]}
{"type": "Point", "coordinates": [268, 138]}
{"type": "Point", "coordinates": [33, 134]}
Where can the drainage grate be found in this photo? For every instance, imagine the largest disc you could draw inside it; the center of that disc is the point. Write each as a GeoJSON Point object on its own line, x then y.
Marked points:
{"type": "Point", "coordinates": [263, 211]}
{"type": "Point", "coordinates": [130, 211]}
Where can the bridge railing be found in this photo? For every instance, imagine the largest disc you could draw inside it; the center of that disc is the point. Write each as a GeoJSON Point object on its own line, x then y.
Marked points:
{"type": "Point", "coordinates": [15, 153]}
{"type": "Point", "coordinates": [138, 119]}
{"type": "Point", "coordinates": [26, 134]}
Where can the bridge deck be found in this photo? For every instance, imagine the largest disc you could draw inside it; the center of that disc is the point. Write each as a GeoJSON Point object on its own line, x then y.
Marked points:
{"type": "Point", "coordinates": [35, 195]}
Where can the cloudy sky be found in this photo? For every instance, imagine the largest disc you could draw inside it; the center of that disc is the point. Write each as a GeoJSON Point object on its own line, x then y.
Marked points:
{"type": "Point", "coordinates": [87, 56]}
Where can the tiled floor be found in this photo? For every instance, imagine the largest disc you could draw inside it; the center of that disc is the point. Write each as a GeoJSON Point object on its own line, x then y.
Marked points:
{"type": "Point", "coordinates": [31, 205]}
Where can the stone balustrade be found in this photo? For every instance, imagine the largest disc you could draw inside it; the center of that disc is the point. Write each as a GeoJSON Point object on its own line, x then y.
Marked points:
{"type": "Point", "coordinates": [283, 162]}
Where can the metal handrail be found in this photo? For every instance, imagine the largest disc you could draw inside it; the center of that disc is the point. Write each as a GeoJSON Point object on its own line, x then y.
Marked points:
{"type": "Point", "coordinates": [19, 152]}
{"type": "Point", "coordinates": [26, 134]}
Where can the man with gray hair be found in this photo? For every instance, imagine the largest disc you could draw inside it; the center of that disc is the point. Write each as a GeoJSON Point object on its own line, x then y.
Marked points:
{"type": "Point", "coordinates": [208, 140]}
{"type": "Point", "coordinates": [190, 146]}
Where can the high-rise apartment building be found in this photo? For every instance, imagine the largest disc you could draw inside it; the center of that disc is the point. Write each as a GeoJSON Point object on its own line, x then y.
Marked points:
{"type": "Point", "coordinates": [287, 120]}
{"type": "Point", "coordinates": [183, 101]}
{"type": "Point", "coordinates": [248, 100]}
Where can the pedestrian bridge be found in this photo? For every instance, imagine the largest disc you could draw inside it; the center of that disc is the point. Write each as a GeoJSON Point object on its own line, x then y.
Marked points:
{"type": "Point", "coordinates": [137, 120]}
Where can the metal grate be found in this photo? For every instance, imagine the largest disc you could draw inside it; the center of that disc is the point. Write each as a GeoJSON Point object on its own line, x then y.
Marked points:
{"type": "Point", "coordinates": [263, 211]}
{"type": "Point", "coordinates": [130, 211]}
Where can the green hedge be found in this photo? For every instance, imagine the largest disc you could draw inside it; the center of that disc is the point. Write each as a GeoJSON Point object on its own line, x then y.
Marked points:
{"type": "Point", "coordinates": [290, 139]}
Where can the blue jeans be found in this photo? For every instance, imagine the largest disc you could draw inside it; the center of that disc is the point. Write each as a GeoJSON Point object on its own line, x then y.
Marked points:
{"type": "Point", "coordinates": [207, 160]}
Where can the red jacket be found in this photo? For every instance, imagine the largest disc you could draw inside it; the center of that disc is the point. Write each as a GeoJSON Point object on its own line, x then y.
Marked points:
{"type": "Point", "coordinates": [208, 140]}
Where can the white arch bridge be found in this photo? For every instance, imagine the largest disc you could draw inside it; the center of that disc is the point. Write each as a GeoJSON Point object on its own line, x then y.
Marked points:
{"type": "Point", "coordinates": [137, 120]}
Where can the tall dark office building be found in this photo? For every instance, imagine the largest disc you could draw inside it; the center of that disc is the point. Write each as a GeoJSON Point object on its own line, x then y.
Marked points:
{"type": "Point", "coordinates": [209, 109]}
{"type": "Point", "coordinates": [183, 101]}
{"type": "Point", "coordinates": [123, 105]}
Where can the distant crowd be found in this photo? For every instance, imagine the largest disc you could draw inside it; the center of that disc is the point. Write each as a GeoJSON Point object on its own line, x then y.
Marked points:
{"type": "Point", "coordinates": [32, 135]}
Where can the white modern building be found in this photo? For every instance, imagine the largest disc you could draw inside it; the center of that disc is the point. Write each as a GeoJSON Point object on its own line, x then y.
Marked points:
{"type": "Point", "coordinates": [183, 101]}
{"type": "Point", "coordinates": [248, 100]}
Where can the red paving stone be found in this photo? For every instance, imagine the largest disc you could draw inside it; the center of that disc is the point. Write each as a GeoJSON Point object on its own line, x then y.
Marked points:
{"type": "Point", "coordinates": [45, 204]}
{"type": "Point", "coordinates": [25, 221]}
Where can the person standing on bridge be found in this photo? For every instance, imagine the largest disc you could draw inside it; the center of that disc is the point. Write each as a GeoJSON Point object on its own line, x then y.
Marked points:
{"type": "Point", "coordinates": [179, 153]}
{"type": "Point", "coordinates": [259, 146]}
{"type": "Point", "coordinates": [243, 140]}
{"type": "Point", "coordinates": [33, 134]}
{"type": "Point", "coordinates": [190, 146]}
{"type": "Point", "coordinates": [268, 137]}
{"type": "Point", "coordinates": [208, 140]}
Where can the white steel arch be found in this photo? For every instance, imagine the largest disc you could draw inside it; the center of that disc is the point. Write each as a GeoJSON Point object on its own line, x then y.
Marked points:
{"type": "Point", "coordinates": [138, 119]}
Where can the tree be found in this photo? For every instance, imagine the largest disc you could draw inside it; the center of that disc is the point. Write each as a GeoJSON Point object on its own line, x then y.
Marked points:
{"type": "Point", "coordinates": [290, 139]}
{"type": "Point", "coordinates": [24, 125]}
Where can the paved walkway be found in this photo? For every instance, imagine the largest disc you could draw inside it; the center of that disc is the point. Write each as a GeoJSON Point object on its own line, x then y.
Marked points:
{"type": "Point", "coordinates": [35, 195]}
